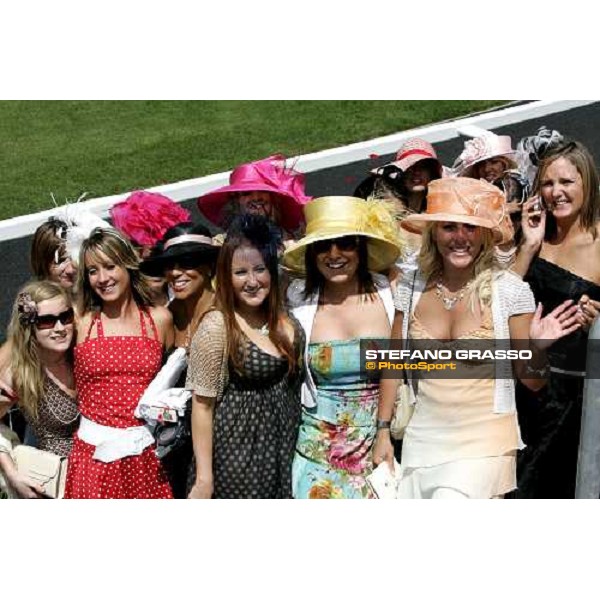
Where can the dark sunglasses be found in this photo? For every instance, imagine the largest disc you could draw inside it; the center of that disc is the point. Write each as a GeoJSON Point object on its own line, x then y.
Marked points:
{"type": "Point", "coordinates": [344, 244]}
{"type": "Point", "coordinates": [49, 321]}
{"type": "Point", "coordinates": [183, 262]}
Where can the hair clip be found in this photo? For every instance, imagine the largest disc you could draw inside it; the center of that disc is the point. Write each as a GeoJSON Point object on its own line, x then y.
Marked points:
{"type": "Point", "coordinates": [27, 309]}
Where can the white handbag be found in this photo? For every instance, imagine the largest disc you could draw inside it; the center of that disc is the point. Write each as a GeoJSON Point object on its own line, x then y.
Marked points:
{"type": "Point", "coordinates": [403, 410]}
{"type": "Point", "coordinates": [384, 483]}
{"type": "Point", "coordinates": [45, 468]}
{"type": "Point", "coordinates": [405, 395]}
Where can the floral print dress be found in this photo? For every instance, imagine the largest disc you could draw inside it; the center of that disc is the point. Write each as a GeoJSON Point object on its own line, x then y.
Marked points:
{"type": "Point", "coordinates": [333, 453]}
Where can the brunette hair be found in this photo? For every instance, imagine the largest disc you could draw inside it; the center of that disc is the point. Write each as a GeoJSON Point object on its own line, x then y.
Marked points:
{"type": "Point", "coordinates": [47, 246]}
{"type": "Point", "coordinates": [122, 253]}
{"type": "Point", "coordinates": [315, 282]}
{"type": "Point", "coordinates": [257, 232]}
{"type": "Point", "coordinates": [579, 156]}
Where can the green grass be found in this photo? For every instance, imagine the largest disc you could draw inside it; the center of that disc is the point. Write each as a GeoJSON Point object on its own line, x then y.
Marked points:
{"type": "Point", "coordinates": [104, 148]}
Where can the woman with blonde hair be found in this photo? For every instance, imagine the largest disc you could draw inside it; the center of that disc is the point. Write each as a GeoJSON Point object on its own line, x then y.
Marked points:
{"type": "Point", "coordinates": [463, 436]}
{"type": "Point", "coordinates": [120, 342]}
{"type": "Point", "coordinates": [559, 258]}
{"type": "Point", "coordinates": [40, 371]}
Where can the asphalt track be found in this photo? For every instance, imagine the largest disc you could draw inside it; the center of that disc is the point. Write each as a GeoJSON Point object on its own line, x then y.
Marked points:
{"type": "Point", "coordinates": [582, 123]}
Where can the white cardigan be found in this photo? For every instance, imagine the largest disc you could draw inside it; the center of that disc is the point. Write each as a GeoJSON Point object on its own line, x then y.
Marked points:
{"type": "Point", "coordinates": [510, 296]}
{"type": "Point", "coordinates": [306, 310]}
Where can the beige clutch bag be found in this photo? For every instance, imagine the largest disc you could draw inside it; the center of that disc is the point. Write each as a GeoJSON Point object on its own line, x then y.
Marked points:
{"type": "Point", "coordinates": [45, 468]}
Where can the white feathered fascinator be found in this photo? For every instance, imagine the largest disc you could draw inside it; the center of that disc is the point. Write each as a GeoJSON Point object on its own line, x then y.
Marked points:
{"type": "Point", "coordinates": [80, 222]}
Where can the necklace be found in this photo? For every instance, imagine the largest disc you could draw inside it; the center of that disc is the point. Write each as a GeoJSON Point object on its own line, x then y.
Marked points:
{"type": "Point", "coordinates": [449, 302]}
{"type": "Point", "coordinates": [264, 330]}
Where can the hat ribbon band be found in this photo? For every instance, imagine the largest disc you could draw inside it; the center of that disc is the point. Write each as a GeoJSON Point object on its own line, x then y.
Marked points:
{"type": "Point", "coordinates": [412, 152]}
{"type": "Point", "coordinates": [188, 237]}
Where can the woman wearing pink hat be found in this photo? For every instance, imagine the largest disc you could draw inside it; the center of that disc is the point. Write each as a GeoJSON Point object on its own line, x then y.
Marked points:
{"type": "Point", "coordinates": [403, 182]}
{"type": "Point", "coordinates": [487, 156]}
{"type": "Point", "coordinates": [266, 187]}
{"type": "Point", "coordinates": [406, 178]}
{"type": "Point", "coordinates": [462, 439]}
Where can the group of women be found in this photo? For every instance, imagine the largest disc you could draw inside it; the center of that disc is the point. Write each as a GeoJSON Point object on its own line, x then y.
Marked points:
{"type": "Point", "coordinates": [272, 316]}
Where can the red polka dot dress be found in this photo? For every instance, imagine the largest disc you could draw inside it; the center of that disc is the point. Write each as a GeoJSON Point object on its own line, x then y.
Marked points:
{"type": "Point", "coordinates": [111, 374]}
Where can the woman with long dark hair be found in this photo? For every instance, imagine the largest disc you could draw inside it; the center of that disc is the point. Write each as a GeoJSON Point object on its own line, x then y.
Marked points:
{"type": "Point", "coordinates": [244, 371]}
{"type": "Point", "coordinates": [343, 300]}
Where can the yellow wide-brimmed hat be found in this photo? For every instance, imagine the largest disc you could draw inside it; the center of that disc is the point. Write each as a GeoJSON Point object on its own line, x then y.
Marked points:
{"type": "Point", "coordinates": [333, 217]}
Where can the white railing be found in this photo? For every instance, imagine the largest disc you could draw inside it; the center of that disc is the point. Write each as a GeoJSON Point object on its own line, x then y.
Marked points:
{"type": "Point", "coordinates": [192, 188]}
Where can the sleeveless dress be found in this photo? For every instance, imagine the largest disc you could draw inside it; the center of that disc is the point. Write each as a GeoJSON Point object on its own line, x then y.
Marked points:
{"type": "Point", "coordinates": [256, 415]}
{"type": "Point", "coordinates": [333, 454]}
{"type": "Point", "coordinates": [551, 419]}
{"type": "Point", "coordinates": [111, 373]}
{"type": "Point", "coordinates": [56, 421]}
{"type": "Point", "coordinates": [454, 442]}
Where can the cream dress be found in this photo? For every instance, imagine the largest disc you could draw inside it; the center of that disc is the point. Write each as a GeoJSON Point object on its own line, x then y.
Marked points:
{"type": "Point", "coordinates": [455, 444]}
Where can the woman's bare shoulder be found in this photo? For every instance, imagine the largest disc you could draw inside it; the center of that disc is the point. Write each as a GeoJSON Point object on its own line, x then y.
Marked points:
{"type": "Point", "coordinates": [162, 315]}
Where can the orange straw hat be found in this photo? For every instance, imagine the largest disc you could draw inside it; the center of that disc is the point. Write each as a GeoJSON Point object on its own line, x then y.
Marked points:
{"type": "Point", "coordinates": [464, 200]}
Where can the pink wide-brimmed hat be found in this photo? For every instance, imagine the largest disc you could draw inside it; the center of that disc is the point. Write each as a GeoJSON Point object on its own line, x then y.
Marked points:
{"type": "Point", "coordinates": [464, 200]}
{"type": "Point", "coordinates": [266, 175]}
{"type": "Point", "coordinates": [485, 146]}
{"type": "Point", "coordinates": [410, 153]}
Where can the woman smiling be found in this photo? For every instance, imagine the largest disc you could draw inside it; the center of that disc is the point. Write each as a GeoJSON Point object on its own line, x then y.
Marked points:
{"type": "Point", "coordinates": [244, 370]}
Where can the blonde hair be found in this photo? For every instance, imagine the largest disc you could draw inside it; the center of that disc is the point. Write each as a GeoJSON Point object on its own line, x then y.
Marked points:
{"type": "Point", "coordinates": [122, 253]}
{"type": "Point", "coordinates": [27, 372]}
{"type": "Point", "coordinates": [484, 266]}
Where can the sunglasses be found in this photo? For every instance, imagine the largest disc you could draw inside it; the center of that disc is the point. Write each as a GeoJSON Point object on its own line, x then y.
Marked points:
{"type": "Point", "coordinates": [344, 244]}
{"type": "Point", "coordinates": [183, 262]}
{"type": "Point", "coordinates": [66, 317]}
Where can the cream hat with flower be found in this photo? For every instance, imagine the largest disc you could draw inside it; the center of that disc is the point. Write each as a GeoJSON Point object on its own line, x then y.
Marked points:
{"type": "Point", "coordinates": [332, 217]}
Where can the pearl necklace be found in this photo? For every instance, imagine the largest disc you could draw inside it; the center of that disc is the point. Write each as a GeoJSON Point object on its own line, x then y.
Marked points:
{"type": "Point", "coordinates": [449, 302]}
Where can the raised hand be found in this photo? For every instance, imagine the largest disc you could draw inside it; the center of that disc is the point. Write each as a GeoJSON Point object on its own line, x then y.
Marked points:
{"type": "Point", "coordinates": [560, 322]}
{"type": "Point", "coordinates": [587, 311]}
{"type": "Point", "coordinates": [533, 222]}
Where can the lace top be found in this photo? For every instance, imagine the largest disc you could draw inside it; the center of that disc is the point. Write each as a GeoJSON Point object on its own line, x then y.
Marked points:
{"type": "Point", "coordinates": [207, 372]}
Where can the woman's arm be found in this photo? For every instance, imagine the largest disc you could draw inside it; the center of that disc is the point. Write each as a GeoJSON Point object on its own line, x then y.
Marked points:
{"type": "Point", "coordinates": [383, 449]}
{"type": "Point", "coordinates": [206, 372]}
{"type": "Point", "coordinates": [163, 319]}
{"type": "Point", "coordinates": [202, 438]}
{"type": "Point", "coordinates": [533, 225]}
{"type": "Point", "coordinates": [542, 333]}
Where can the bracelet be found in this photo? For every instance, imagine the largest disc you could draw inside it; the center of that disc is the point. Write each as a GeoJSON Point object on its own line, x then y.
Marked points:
{"type": "Point", "coordinates": [541, 373]}
{"type": "Point", "coordinates": [383, 424]}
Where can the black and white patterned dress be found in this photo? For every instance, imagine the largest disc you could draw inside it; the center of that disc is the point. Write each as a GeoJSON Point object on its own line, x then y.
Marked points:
{"type": "Point", "coordinates": [256, 417]}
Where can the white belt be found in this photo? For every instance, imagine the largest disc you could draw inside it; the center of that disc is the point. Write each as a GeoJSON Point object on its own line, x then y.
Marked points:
{"type": "Point", "coordinates": [113, 443]}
